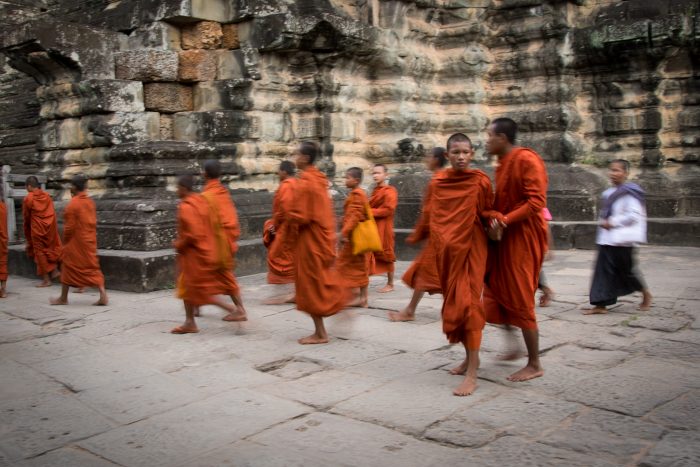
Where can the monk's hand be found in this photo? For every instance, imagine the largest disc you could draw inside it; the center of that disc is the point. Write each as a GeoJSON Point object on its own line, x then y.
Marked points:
{"type": "Point", "coordinates": [605, 224]}
{"type": "Point", "coordinates": [271, 229]}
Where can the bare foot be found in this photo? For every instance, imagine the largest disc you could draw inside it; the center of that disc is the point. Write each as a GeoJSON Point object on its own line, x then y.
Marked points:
{"type": "Point", "coordinates": [401, 316]}
{"type": "Point", "coordinates": [58, 301]}
{"type": "Point", "coordinates": [358, 302]}
{"type": "Point", "coordinates": [101, 302]}
{"type": "Point", "coordinates": [313, 339]}
{"type": "Point", "coordinates": [44, 284]}
{"type": "Point", "coordinates": [184, 330]}
{"type": "Point", "coordinates": [238, 316]}
{"type": "Point", "coordinates": [646, 301]}
{"type": "Point", "coordinates": [79, 290]}
{"type": "Point", "coordinates": [510, 356]}
{"type": "Point", "coordinates": [467, 387]}
{"type": "Point", "coordinates": [596, 310]}
{"type": "Point", "coordinates": [3, 294]}
{"type": "Point", "coordinates": [546, 297]}
{"type": "Point", "coordinates": [461, 368]}
{"type": "Point", "coordinates": [386, 288]}
{"type": "Point", "coordinates": [280, 300]}
{"type": "Point", "coordinates": [527, 373]}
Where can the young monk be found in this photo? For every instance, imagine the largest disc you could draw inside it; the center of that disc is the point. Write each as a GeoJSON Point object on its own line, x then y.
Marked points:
{"type": "Point", "coordinates": [199, 263]}
{"type": "Point", "coordinates": [224, 219]}
{"type": "Point", "coordinates": [521, 194]}
{"type": "Point", "coordinates": [80, 266]}
{"type": "Point", "coordinates": [422, 275]}
{"type": "Point", "coordinates": [4, 241]}
{"type": "Point", "coordinates": [456, 201]}
{"type": "Point", "coordinates": [319, 291]}
{"type": "Point", "coordinates": [280, 255]}
{"type": "Point", "coordinates": [41, 231]}
{"type": "Point", "coordinates": [353, 269]}
{"type": "Point", "coordinates": [622, 226]}
{"type": "Point", "coordinates": [383, 202]}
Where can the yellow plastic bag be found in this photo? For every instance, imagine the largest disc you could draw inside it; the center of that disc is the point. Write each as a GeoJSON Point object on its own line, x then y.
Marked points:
{"type": "Point", "coordinates": [365, 237]}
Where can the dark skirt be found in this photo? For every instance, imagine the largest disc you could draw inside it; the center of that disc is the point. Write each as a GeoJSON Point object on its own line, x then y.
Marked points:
{"type": "Point", "coordinates": [615, 275]}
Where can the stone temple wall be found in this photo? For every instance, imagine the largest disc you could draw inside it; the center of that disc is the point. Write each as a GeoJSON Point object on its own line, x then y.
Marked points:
{"type": "Point", "coordinates": [136, 92]}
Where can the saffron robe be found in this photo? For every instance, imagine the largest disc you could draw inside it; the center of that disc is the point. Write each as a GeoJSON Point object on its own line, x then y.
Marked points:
{"type": "Point", "coordinates": [319, 291]}
{"type": "Point", "coordinates": [280, 253]}
{"type": "Point", "coordinates": [353, 269]}
{"type": "Point", "coordinates": [383, 202]}
{"type": "Point", "coordinates": [80, 266]}
{"type": "Point", "coordinates": [516, 260]}
{"type": "Point", "coordinates": [41, 231]}
{"type": "Point", "coordinates": [455, 203]}
{"type": "Point", "coordinates": [4, 240]}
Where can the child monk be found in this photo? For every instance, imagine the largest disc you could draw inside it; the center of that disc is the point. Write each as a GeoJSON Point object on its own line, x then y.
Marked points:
{"type": "Point", "coordinates": [199, 264]}
{"type": "Point", "coordinates": [41, 231]}
{"type": "Point", "coordinates": [224, 221]}
{"type": "Point", "coordinates": [4, 241]}
{"type": "Point", "coordinates": [422, 275]}
{"type": "Point", "coordinates": [319, 291]}
{"type": "Point", "coordinates": [518, 221]}
{"type": "Point", "coordinates": [353, 269]}
{"type": "Point", "coordinates": [456, 201]}
{"type": "Point", "coordinates": [622, 226]}
{"type": "Point", "coordinates": [383, 202]}
{"type": "Point", "coordinates": [80, 266]}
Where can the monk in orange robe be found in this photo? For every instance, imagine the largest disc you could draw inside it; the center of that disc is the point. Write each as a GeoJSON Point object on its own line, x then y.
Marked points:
{"type": "Point", "coordinates": [201, 274]}
{"type": "Point", "coordinates": [383, 202]}
{"type": "Point", "coordinates": [319, 291]}
{"type": "Point", "coordinates": [41, 231]}
{"type": "Point", "coordinates": [422, 276]}
{"type": "Point", "coordinates": [281, 232]}
{"type": "Point", "coordinates": [224, 219]}
{"type": "Point", "coordinates": [80, 266]}
{"type": "Point", "coordinates": [353, 269]}
{"type": "Point", "coordinates": [515, 261]}
{"type": "Point", "coordinates": [4, 241]}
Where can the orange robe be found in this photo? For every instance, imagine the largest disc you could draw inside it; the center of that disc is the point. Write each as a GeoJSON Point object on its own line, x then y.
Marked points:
{"type": "Point", "coordinates": [319, 291]}
{"type": "Point", "coordinates": [41, 231]}
{"type": "Point", "coordinates": [201, 274]}
{"type": "Point", "coordinates": [80, 266]}
{"type": "Point", "coordinates": [455, 203]}
{"type": "Point", "coordinates": [422, 274]}
{"type": "Point", "coordinates": [353, 269]}
{"type": "Point", "coordinates": [223, 219]}
{"type": "Point", "coordinates": [515, 261]}
{"type": "Point", "coordinates": [383, 202]}
{"type": "Point", "coordinates": [280, 254]}
{"type": "Point", "coordinates": [3, 241]}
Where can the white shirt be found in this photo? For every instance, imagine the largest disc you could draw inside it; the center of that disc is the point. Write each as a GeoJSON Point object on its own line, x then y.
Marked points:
{"type": "Point", "coordinates": [628, 221]}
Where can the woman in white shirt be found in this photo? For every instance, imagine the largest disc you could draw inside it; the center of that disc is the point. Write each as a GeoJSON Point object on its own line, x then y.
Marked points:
{"type": "Point", "coordinates": [622, 226]}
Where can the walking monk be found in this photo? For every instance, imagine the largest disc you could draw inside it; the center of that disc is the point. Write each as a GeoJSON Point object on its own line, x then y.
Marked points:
{"type": "Point", "coordinates": [422, 275]}
{"type": "Point", "coordinates": [41, 231]}
{"type": "Point", "coordinates": [201, 276]}
{"type": "Point", "coordinates": [80, 266]}
{"type": "Point", "coordinates": [354, 269]}
{"type": "Point", "coordinates": [280, 232]}
{"type": "Point", "coordinates": [521, 195]}
{"type": "Point", "coordinates": [318, 288]}
{"type": "Point", "coordinates": [4, 240]}
{"type": "Point", "coordinates": [383, 203]}
{"type": "Point", "coordinates": [227, 230]}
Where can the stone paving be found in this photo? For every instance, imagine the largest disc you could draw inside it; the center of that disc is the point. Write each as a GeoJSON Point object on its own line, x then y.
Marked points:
{"type": "Point", "coordinates": [87, 386]}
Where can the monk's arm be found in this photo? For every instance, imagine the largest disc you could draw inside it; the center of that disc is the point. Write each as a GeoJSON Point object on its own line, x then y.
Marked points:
{"type": "Point", "coordinates": [300, 210]}
{"type": "Point", "coordinates": [184, 233]}
{"type": "Point", "coordinates": [534, 191]}
{"type": "Point", "coordinates": [283, 204]}
{"type": "Point", "coordinates": [391, 200]}
{"type": "Point", "coordinates": [485, 203]}
{"type": "Point", "coordinates": [353, 216]}
{"type": "Point", "coordinates": [68, 224]}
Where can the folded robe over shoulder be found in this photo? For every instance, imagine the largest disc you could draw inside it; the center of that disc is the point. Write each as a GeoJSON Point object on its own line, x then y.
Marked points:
{"type": "Point", "coordinates": [280, 254]}
{"type": "Point", "coordinates": [319, 291]}
{"type": "Point", "coordinates": [3, 241]}
{"type": "Point", "coordinates": [515, 261]}
{"type": "Point", "coordinates": [80, 266]}
{"type": "Point", "coordinates": [383, 202]}
{"type": "Point", "coordinates": [41, 231]}
{"type": "Point", "coordinates": [353, 269]}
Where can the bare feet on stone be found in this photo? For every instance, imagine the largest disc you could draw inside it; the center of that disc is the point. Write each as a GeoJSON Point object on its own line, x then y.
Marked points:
{"type": "Point", "coordinates": [526, 374]}
{"type": "Point", "coordinates": [101, 302]}
{"type": "Point", "coordinates": [313, 339]}
{"type": "Point", "coordinates": [401, 316]}
{"type": "Point", "coordinates": [387, 288]}
{"type": "Point", "coordinates": [596, 310]}
{"type": "Point", "coordinates": [43, 284]}
{"type": "Point", "coordinates": [280, 300]}
{"type": "Point", "coordinates": [58, 301]}
{"type": "Point", "coordinates": [467, 387]}
{"type": "Point", "coordinates": [646, 301]}
{"type": "Point", "coordinates": [358, 302]}
{"type": "Point", "coordinates": [546, 297]}
{"type": "Point", "coordinates": [184, 330]}
{"type": "Point", "coordinates": [460, 369]}
{"type": "Point", "coordinates": [3, 293]}
{"type": "Point", "coordinates": [237, 316]}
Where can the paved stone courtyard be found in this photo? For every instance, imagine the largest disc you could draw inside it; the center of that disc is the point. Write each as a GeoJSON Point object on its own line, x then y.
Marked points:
{"type": "Point", "coordinates": [87, 386]}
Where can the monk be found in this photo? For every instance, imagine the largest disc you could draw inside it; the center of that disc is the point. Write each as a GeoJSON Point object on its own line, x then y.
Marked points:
{"type": "Point", "coordinates": [280, 234]}
{"type": "Point", "coordinates": [383, 202]}
{"type": "Point", "coordinates": [224, 219]}
{"type": "Point", "coordinates": [80, 266]}
{"type": "Point", "coordinates": [41, 231]}
{"type": "Point", "coordinates": [353, 269]}
{"type": "Point", "coordinates": [3, 245]}
{"type": "Point", "coordinates": [518, 220]}
{"type": "Point", "coordinates": [319, 291]}
{"type": "Point", "coordinates": [422, 275]}
{"type": "Point", "coordinates": [199, 263]}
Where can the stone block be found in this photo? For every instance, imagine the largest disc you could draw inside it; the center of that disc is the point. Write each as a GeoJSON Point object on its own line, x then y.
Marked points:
{"type": "Point", "coordinates": [166, 127]}
{"type": "Point", "coordinates": [229, 94]}
{"type": "Point", "coordinates": [226, 125]}
{"type": "Point", "coordinates": [121, 127]}
{"type": "Point", "coordinates": [90, 96]}
{"type": "Point", "coordinates": [230, 64]}
{"type": "Point", "coordinates": [156, 35]}
{"type": "Point", "coordinates": [202, 35]}
{"type": "Point", "coordinates": [147, 65]}
{"type": "Point", "coordinates": [167, 97]}
{"type": "Point", "coordinates": [677, 448]}
{"type": "Point", "coordinates": [197, 65]}
{"type": "Point", "coordinates": [230, 38]}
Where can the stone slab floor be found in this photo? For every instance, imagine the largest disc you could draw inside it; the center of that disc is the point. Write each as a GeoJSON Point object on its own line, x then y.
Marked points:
{"type": "Point", "coordinates": [88, 386]}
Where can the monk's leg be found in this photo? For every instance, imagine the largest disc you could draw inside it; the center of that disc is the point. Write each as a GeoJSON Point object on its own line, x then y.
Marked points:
{"type": "Point", "coordinates": [462, 367]}
{"type": "Point", "coordinates": [533, 369]}
{"type": "Point", "coordinates": [45, 281]}
{"type": "Point", "coordinates": [189, 326]}
{"type": "Point", "coordinates": [472, 343]}
{"type": "Point", "coordinates": [513, 351]}
{"type": "Point", "coordinates": [408, 313]}
{"type": "Point", "coordinates": [320, 336]}
{"type": "Point", "coordinates": [359, 300]}
{"type": "Point", "coordinates": [103, 300]}
{"type": "Point", "coordinates": [646, 300]}
{"type": "Point", "coordinates": [63, 299]}
{"type": "Point", "coordinates": [364, 296]}
{"type": "Point", "coordinates": [389, 287]}
{"type": "Point", "coordinates": [3, 289]}
{"type": "Point", "coordinates": [239, 314]}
